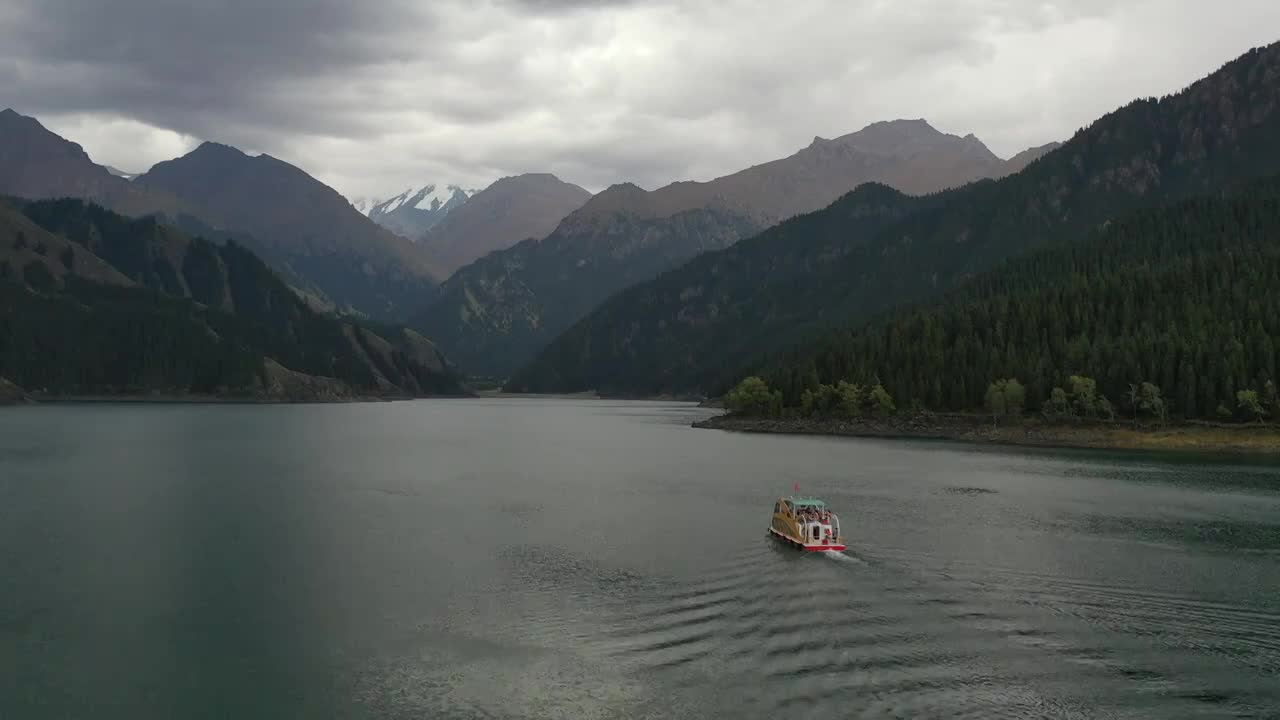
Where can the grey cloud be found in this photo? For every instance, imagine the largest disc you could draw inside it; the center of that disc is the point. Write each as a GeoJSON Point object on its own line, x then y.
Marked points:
{"type": "Point", "coordinates": [374, 95]}
{"type": "Point", "coordinates": [202, 66]}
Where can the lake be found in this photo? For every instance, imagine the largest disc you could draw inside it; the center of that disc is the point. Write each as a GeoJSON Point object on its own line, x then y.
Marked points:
{"type": "Point", "coordinates": [517, 558]}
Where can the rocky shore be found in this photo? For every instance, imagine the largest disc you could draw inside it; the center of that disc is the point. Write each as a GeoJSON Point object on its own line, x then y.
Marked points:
{"type": "Point", "coordinates": [1028, 432]}
{"type": "Point", "coordinates": [11, 394]}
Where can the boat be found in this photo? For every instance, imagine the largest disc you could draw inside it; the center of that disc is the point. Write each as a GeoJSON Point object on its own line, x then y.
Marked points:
{"type": "Point", "coordinates": [806, 523]}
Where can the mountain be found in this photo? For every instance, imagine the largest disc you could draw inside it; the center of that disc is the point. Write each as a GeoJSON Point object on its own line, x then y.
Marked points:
{"type": "Point", "coordinates": [97, 303]}
{"type": "Point", "coordinates": [1200, 321]}
{"type": "Point", "coordinates": [36, 163]}
{"type": "Point", "coordinates": [909, 155]}
{"type": "Point", "coordinates": [302, 228]}
{"type": "Point", "coordinates": [494, 315]}
{"type": "Point", "coordinates": [508, 211]}
{"type": "Point", "coordinates": [415, 211]}
{"type": "Point", "coordinates": [699, 326]}
{"type": "Point", "coordinates": [300, 224]}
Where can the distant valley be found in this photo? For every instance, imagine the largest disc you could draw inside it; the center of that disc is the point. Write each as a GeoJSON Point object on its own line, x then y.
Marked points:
{"type": "Point", "coordinates": [494, 315]}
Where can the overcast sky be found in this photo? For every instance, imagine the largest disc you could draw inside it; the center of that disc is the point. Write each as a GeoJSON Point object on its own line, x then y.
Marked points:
{"type": "Point", "coordinates": [372, 96]}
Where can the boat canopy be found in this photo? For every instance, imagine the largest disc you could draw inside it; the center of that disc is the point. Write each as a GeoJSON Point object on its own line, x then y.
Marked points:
{"type": "Point", "coordinates": [806, 502]}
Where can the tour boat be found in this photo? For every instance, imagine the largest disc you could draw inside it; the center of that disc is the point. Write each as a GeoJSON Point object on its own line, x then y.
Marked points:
{"type": "Point", "coordinates": [806, 523]}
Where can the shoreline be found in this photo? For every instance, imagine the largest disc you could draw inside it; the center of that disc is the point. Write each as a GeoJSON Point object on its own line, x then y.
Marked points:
{"type": "Point", "coordinates": [1183, 437]}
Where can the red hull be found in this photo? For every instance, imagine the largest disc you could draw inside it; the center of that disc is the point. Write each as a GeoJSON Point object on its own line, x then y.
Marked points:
{"type": "Point", "coordinates": [802, 546]}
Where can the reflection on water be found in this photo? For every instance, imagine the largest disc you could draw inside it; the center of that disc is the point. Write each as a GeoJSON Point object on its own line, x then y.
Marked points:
{"type": "Point", "coordinates": [528, 558]}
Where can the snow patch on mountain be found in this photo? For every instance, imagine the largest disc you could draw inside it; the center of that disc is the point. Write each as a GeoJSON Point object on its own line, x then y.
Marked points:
{"type": "Point", "coordinates": [390, 206]}
{"type": "Point", "coordinates": [433, 198]}
{"type": "Point", "coordinates": [416, 210]}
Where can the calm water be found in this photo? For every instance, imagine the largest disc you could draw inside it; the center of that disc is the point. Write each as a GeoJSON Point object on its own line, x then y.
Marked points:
{"type": "Point", "coordinates": [559, 559]}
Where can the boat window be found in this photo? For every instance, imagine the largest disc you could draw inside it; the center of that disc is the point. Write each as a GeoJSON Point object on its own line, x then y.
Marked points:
{"type": "Point", "coordinates": [815, 532]}
{"type": "Point", "coordinates": [777, 507]}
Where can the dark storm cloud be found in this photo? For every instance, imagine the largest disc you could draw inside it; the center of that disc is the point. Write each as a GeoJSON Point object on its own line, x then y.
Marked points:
{"type": "Point", "coordinates": [374, 95]}
{"type": "Point", "coordinates": [198, 66]}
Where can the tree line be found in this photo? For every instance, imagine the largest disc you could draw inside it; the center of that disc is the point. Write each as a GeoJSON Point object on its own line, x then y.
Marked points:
{"type": "Point", "coordinates": [1004, 399]}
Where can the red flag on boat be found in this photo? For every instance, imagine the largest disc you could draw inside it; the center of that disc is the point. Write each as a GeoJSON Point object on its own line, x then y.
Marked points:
{"type": "Point", "coordinates": [797, 487]}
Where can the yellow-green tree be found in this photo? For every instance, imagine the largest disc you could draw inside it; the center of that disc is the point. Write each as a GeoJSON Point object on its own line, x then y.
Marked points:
{"type": "Point", "coordinates": [1005, 397]}
{"type": "Point", "coordinates": [1057, 406]}
{"type": "Point", "coordinates": [1151, 401]}
{"type": "Point", "coordinates": [850, 395]}
{"type": "Point", "coordinates": [1248, 404]}
{"type": "Point", "coordinates": [882, 401]}
{"type": "Point", "coordinates": [751, 397]}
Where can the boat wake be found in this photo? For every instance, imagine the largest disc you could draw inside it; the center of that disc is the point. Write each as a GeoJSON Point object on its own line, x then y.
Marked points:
{"type": "Point", "coordinates": [843, 556]}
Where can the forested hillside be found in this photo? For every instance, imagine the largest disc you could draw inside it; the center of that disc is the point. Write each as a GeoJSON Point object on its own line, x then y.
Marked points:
{"type": "Point", "coordinates": [1183, 299]}
{"type": "Point", "coordinates": [97, 303]}
{"type": "Point", "coordinates": [758, 281]}
{"type": "Point", "coordinates": [693, 328]}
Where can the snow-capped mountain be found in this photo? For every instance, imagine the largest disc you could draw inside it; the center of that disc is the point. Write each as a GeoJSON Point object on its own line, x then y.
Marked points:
{"type": "Point", "coordinates": [416, 210]}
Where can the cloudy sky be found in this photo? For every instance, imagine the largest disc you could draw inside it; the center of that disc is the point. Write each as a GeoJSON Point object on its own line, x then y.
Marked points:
{"type": "Point", "coordinates": [372, 96]}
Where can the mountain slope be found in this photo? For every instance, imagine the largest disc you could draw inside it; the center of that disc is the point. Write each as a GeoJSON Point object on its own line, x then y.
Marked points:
{"type": "Point", "coordinates": [147, 308]}
{"type": "Point", "coordinates": [416, 210]}
{"type": "Point", "coordinates": [1198, 317]}
{"type": "Point", "coordinates": [496, 314]}
{"type": "Point", "coordinates": [692, 328]}
{"type": "Point", "coordinates": [300, 223]}
{"type": "Point", "coordinates": [508, 211]}
{"type": "Point", "coordinates": [36, 257]}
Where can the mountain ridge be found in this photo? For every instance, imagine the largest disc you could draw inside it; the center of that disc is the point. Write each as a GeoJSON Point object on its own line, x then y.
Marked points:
{"type": "Point", "coordinates": [36, 163]}
{"type": "Point", "coordinates": [326, 248]}
{"type": "Point", "coordinates": [819, 172]}
{"type": "Point", "coordinates": [302, 224]}
{"type": "Point", "coordinates": [509, 210]}
{"type": "Point", "coordinates": [493, 315]}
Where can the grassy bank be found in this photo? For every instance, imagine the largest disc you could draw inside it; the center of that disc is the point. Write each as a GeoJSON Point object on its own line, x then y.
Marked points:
{"type": "Point", "coordinates": [1031, 432]}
